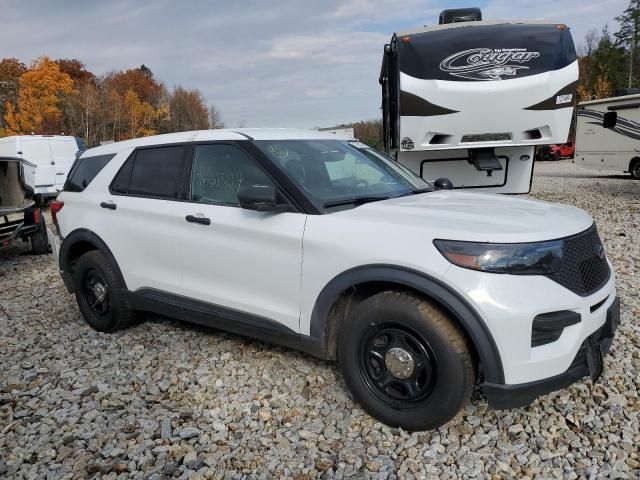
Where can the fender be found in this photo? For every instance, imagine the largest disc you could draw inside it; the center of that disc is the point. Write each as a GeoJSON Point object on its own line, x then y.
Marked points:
{"type": "Point", "coordinates": [83, 235]}
{"type": "Point", "coordinates": [464, 313]}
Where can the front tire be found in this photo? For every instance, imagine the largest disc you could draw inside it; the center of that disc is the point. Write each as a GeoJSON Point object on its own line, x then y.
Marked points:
{"type": "Point", "coordinates": [635, 169]}
{"type": "Point", "coordinates": [100, 293]}
{"type": "Point", "coordinates": [557, 157]}
{"type": "Point", "coordinates": [406, 363]}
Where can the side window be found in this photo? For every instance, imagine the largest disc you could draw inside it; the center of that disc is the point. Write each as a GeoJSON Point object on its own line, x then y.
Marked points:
{"type": "Point", "coordinates": [610, 119]}
{"type": "Point", "coordinates": [120, 184]}
{"type": "Point", "coordinates": [84, 171]}
{"type": "Point", "coordinates": [157, 172]}
{"type": "Point", "coordinates": [220, 170]}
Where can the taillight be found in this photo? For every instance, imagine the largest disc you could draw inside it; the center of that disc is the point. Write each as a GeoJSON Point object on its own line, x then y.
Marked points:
{"type": "Point", "coordinates": [56, 206]}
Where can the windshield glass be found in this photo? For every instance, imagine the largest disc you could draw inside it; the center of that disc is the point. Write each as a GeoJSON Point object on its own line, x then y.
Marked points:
{"type": "Point", "coordinates": [335, 172]}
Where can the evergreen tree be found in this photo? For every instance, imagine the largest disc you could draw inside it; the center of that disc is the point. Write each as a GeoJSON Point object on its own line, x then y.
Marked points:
{"type": "Point", "coordinates": [629, 37]}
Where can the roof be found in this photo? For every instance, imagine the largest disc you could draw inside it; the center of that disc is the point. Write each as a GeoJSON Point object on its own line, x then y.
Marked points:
{"type": "Point", "coordinates": [213, 135]}
{"type": "Point", "coordinates": [611, 99]}
{"type": "Point", "coordinates": [482, 23]}
{"type": "Point", "coordinates": [39, 136]}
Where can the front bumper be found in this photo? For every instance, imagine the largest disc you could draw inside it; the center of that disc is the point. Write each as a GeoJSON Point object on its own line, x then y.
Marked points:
{"type": "Point", "coordinates": [587, 362]}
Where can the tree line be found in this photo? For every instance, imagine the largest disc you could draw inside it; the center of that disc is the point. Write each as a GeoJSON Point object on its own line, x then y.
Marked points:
{"type": "Point", "coordinates": [611, 61]}
{"type": "Point", "coordinates": [62, 96]}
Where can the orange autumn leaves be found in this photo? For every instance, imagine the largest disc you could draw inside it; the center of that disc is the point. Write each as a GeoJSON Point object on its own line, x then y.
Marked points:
{"type": "Point", "coordinates": [40, 90]}
{"type": "Point", "coordinates": [62, 96]}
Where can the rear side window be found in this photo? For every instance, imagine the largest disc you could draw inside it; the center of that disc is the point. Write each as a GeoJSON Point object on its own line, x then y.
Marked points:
{"type": "Point", "coordinates": [152, 172]}
{"type": "Point", "coordinates": [84, 171]}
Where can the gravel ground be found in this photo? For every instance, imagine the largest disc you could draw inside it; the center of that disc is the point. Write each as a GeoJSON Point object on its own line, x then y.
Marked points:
{"type": "Point", "coordinates": [166, 399]}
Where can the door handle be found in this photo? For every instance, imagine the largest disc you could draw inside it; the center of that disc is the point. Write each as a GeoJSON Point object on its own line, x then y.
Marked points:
{"type": "Point", "coordinates": [194, 219]}
{"type": "Point", "coordinates": [109, 205]}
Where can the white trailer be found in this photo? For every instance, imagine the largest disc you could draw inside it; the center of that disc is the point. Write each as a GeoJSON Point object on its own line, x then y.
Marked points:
{"type": "Point", "coordinates": [471, 101]}
{"type": "Point", "coordinates": [608, 135]}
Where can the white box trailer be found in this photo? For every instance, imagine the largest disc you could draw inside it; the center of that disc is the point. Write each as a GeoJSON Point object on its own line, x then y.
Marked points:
{"type": "Point", "coordinates": [471, 101]}
{"type": "Point", "coordinates": [608, 135]}
{"type": "Point", "coordinates": [53, 156]}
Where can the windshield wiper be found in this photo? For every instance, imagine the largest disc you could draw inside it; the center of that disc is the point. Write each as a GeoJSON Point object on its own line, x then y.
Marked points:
{"type": "Point", "coordinates": [414, 192]}
{"type": "Point", "coordinates": [354, 201]}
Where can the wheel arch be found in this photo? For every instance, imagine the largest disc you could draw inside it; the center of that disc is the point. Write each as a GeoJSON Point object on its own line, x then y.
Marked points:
{"type": "Point", "coordinates": [633, 162]}
{"type": "Point", "coordinates": [336, 298]}
{"type": "Point", "coordinates": [77, 243]}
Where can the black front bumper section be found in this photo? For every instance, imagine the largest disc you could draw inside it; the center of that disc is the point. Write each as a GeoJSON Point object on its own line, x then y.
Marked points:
{"type": "Point", "coordinates": [588, 362]}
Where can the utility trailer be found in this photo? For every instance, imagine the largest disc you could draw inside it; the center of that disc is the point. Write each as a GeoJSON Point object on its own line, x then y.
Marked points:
{"type": "Point", "coordinates": [471, 100]}
{"type": "Point", "coordinates": [20, 216]}
{"type": "Point", "coordinates": [608, 134]}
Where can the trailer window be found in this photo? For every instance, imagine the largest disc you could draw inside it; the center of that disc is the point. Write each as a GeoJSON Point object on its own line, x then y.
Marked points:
{"type": "Point", "coordinates": [610, 119]}
{"type": "Point", "coordinates": [84, 171]}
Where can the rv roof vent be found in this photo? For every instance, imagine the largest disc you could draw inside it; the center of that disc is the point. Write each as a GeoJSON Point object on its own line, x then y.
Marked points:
{"type": "Point", "coordinates": [455, 15]}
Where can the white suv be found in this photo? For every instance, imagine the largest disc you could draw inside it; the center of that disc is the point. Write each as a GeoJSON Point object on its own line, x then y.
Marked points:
{"type": "Point", "coordinates": [324, 245]}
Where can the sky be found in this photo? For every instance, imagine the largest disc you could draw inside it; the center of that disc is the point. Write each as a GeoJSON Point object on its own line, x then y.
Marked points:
{"type": "Point", "coordinates": [262, 64]}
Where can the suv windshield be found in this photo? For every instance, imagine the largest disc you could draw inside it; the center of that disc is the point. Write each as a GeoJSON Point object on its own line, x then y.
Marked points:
{"type": "Point", "coordinates": [335, 172]}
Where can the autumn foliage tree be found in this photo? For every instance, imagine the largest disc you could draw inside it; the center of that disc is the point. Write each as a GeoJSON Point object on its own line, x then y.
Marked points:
{"type": "Point", "coordinates": [187, 110]}
{"type": "Point", "coordinates": [40, 93]}
{"type": "Point", "coordinates": [54, 96]}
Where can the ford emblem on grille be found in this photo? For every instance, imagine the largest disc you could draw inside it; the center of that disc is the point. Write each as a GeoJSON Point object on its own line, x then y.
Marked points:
{"type": "Point", "coordinates": [599, 251]}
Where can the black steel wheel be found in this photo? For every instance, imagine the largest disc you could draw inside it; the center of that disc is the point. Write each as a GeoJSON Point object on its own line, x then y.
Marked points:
{"type": "Point", "coordinates": [100, 293]}
{"type": "Point", "coordinates": [405, 361]}
{"type": "Point", "coordinates": [95, 292]}
{"type": "Point", "coordinates": [398, 365]}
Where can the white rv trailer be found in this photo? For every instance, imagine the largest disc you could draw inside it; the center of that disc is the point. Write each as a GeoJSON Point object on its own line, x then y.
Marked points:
{"type": "Point", "coordinates": [608, 134]}
{"type": "Point", "coordinates": [471, 101]}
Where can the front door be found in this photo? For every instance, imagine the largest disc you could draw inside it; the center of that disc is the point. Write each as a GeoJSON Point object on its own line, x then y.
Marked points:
{"type": "Point", "coordinates": [238, 259]}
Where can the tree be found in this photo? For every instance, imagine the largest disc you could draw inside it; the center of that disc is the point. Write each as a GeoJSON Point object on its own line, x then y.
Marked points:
{"type": "Point", "coordinates": [76, 70]}
{"type": "Point", "coordinates": [215, 119]}
{"type": "Point", "coordinates": [41, 90]}
{"type": "Point", "coordinates": [628, 36]}
{"type": "Point", "coordinates": [11, 69]}
{"type": "Point", "coordinates": [187, 110]}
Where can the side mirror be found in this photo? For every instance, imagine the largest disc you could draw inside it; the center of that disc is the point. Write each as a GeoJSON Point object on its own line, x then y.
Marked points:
{"type": "Point", "coordinates": [263, 198]}
{"type": "Point", "coordinates": [443, 183]}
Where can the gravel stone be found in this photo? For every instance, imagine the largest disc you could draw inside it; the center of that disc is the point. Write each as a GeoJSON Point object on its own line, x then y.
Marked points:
{"type": "Point", "coordinates": [76, 403]}
{"type": "Point", "coordinates": [189, 432]}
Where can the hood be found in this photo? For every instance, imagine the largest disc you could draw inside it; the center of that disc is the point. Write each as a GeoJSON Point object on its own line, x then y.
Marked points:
{"type": "Point", "coordinates": [456, 215]}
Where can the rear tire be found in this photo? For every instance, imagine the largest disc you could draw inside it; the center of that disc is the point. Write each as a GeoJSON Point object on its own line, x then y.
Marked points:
{"type": "Point", "coordinates": [100, 293]}
{"type": "Point", "coordinates": [39, 240]}
{"type": "Point", "coordinates": [557, 157]}
{"type": "Point", "coordinates": [406, 363]}
{"type": "Point", "coordinates": [634, 169]}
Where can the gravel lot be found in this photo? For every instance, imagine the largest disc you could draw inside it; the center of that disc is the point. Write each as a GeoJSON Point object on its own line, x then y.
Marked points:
{"type": "Point", "coordinates": [166, 399]}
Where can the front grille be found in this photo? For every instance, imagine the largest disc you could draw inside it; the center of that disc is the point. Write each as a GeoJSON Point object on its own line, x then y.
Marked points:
{"type": "Point", "coordinates": [584, 267]}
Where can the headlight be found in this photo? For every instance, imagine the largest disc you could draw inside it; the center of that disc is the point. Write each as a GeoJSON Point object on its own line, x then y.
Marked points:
{"type": "Point", "coordinates": [541, 258]}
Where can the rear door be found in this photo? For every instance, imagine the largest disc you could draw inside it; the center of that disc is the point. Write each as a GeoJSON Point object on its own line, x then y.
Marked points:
{"type": "Point", "coordinates": [63, 154]}
{"type": "Point", "coordinates": [38, 151]}
{"type": "Point", "coordinates": [138, 218]}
